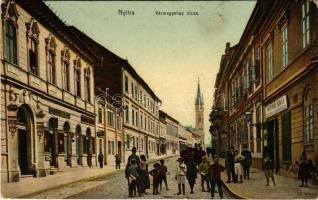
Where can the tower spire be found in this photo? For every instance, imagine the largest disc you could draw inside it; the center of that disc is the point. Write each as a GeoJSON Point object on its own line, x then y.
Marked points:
{"type": "Point", "coordinates": [199, 98]}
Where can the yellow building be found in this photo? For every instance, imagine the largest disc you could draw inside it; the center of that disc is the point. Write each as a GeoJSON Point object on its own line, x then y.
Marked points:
{"type": "Point", "coordinates": [47, 94]}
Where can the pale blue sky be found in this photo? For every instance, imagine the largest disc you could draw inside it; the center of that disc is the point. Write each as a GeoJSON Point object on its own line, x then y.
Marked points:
{"type": "Point", "coordinates": [168, 52]}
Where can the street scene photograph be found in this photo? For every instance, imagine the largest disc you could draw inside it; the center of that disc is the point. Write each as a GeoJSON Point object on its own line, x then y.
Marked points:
{"type": "Point", "coordinates": [212, 99]}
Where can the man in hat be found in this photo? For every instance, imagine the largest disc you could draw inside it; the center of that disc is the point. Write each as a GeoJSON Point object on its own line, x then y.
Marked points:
{"type": "Point", "coordinates": [215, 177]}
{"type": "Point", "coordinates": [181, 175]}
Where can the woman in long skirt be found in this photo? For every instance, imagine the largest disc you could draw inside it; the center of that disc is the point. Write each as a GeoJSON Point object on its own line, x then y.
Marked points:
{"type": "Point", "coordinates": [143, 174]}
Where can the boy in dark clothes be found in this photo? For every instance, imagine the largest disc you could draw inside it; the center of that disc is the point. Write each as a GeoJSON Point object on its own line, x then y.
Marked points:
{"type": "Point", "coordinates": [163, 174]}
{"type": "Point", "coordinates": [155, 178]}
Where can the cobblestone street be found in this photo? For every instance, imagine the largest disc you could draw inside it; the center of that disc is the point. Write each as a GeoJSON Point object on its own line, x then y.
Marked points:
{"type": "Point", "coordinates": [115, 186]}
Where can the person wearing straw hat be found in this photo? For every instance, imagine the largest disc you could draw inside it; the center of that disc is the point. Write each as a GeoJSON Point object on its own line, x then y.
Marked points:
{"type": "Point", "coordinates": [181, 175]}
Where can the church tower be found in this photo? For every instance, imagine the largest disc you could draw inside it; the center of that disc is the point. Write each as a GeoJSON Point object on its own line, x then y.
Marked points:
{"type": "Point", "coordinates": [199, 113]}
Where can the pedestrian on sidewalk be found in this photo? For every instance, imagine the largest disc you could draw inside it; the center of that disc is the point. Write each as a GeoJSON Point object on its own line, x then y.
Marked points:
{"type": "Point", "coordinates": [143, 174]}
{"type": "Point", "coordinates": [227, 166]}
{"type": "Point", "coordinates": [133, 178]}
{"type": "Point", "coordinates": [89, 160]}
{"type": "Point", "coordinates": [268, 169]}
{"type": "Point", "coordinates": [155, 178]}
{"type": "Point", "coordinates": [191, 173]}
{"type": "Point", "coordinates": [306, 168]}
{"type": "Point", "coordinates": [117, 161]}
{"type": "Point", "coordinates": [246, 162]}
{"type": "Point", "coordinates": [181, 175]}
{"type": "Point", "coordinates": [101, 159]}
{"type": "Point", "coordinates": [203, 170]}
{"type": "Point", "coordinates": [238, 166]}
{"type": "Point", "coordinates": [215, 177]}
{"type": "Point", "coordinates": [231, 164]}
{"type": "Point", "coordinates": [163, 174]}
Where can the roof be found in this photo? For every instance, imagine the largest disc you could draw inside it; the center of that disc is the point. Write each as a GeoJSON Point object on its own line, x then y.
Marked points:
{"type": "Point", "coordinates": [108, 58]}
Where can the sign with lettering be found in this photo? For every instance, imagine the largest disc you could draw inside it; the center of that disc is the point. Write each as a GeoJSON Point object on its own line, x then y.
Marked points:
{"type": "Point", "coordinates": [277, 106]}
{"type": "Point", "coordinates": [60, 113]}
{"type": "Point", "coordinates": [87, 120]}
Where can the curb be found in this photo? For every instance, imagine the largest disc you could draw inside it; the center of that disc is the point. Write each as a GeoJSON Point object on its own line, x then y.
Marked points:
{"type": "Point", "coordinates": [234, 193]}
{"type": "Point", "coordinates": [84, 179]}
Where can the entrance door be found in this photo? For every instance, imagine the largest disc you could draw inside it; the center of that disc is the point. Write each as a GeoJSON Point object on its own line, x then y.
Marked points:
{"type": "Point", "coordinates": [272, 142]}
{"type": "Point", "coordinates": [23, 156]}
{"type": "Point", "coordinates": [53, 150]}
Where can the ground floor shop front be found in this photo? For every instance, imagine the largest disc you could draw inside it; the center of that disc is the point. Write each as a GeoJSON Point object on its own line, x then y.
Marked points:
{"type": "Point", "coordinates": [41, 135]}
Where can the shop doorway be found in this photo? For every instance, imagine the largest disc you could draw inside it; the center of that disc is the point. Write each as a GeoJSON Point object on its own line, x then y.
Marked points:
{"type": "Point", "coordinates": [25, 128]}
{"type": "Point", "coordinates": [67, 146]}
{"type": "Point", "coordinates": [53, 124]}
{"type": "Point", "coordinates": [272, 142]}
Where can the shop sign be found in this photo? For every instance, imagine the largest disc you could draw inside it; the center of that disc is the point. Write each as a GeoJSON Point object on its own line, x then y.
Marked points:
{"type": "Point", "coordinates": [60, 113]}
{"type": "Point", "coordinates": [87, 120]}
{"type": "Point", "coordinates": [277, 106]}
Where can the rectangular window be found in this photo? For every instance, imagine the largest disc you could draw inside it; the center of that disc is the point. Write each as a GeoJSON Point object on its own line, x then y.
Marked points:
{"type": "Point", "coordinates": [141, 117]}
{"type": "Point", "coordinates": [309, 124]}
{"type": "Point", "coordinates": [109, 147]}
{"type": "Point", "coordinates": [51, 67]}
{"type": "Point", "coordinates": [269, 53]}
{"type": "Point", "coordinates": [119, 122]}
{"type": "Point", "coordinates": [136, 93]}
{"type": "Point", "coordinates": [127, 114]}
{"type": "Point", "coordinates": [137, 143]}
{"type": "Point", "coordinates": [127, 142]}
{"type": "Point", "coordinates": [110, 119]}
{"type": "Point", "coordinates": [136, 118]}
{"type": "Point", "coordinates": [66, 76]}
{"type": "Point", "coordinates": [33, 57]}
{"type": "Point", "coordinates": [78, 81]}
{"type": "Point", "coordinates": [132, 89]}
{"type": "Point", "coordinates": [133, 117]}
{"type": "Point", "coordinates": [126, 84]}
{"type": "Point", "coordinates": [257, 66]}
{"type": "Point", "coordinates": [305, 23]}
{"type": "Point", "coordinates": [100, 116]}
{"type": "Point", "coordinates": [10, 42]}
{"type": "Point", "coordinates": [284, 44]}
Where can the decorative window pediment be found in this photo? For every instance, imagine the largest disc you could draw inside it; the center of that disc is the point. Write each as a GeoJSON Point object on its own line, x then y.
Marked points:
{"type": "Point", "coordinates": [50, 43]}
{"type": "Point", "coordinates": [77, 64]}
{"type": "Point", "coordinates": [10, 12]}
{"type": "Point", "coordinates": [65, 55]}
{"type": "Point", "coordinates": [33, 30]}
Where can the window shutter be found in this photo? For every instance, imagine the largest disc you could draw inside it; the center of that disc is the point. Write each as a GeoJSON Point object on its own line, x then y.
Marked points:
{"type": "Point", "coordinates": [286, 136]}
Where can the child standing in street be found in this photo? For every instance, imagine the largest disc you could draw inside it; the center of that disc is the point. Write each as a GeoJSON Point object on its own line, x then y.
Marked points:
{"type": "Point", "coordinates": [203, 170]}
{"type": "Point", "coordinates": [268, 168]}
{"type": "Point", "coordinates": [181, 175]}
{"type": "Point", "coordinates": [163, 174]}
{"type": "Point", "coordinates": [155, 178]}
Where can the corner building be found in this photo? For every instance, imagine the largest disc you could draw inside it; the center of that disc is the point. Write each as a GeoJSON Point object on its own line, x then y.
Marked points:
{"type": "Point", "coordinates": [47, 94]}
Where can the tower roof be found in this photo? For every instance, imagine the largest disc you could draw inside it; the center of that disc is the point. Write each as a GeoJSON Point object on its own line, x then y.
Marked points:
{"type": "Point", "coordinates": [199, 97]}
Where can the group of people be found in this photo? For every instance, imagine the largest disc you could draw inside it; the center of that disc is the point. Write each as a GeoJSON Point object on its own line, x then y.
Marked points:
{"type": "Point", "coordinates": [137, 175]}
{"type": "Point", "coordinates": [194, 161]}
{"type": "Point", "coordinates": [238, 164]}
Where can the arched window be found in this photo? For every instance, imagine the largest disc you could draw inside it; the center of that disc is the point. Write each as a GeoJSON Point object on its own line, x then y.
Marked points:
{"type": "Point", "coordinates": [66, 68]}
{"type": "Point", "coordinates": [77, 67]}
{"type": "Point", "coordinates": [10, 17]}
{"type": "Point", "coordinates": [50, 54]}
{"type": "Point", "coordinates": [308, 116]}
{"type": "Point", "coordinates": [78, 131]}
{"type": "Point", "coordinates": [33, 43]}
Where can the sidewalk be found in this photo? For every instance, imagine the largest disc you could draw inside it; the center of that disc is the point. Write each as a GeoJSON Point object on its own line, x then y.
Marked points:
{"type": "Point", "coordinates": [286, 188]}
{"type": "Point", "coordinates": [30, 186]}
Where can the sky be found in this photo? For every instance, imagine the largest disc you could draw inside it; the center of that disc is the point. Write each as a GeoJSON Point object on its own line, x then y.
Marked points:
{"type": "Point", "coordinates": [169, 52]}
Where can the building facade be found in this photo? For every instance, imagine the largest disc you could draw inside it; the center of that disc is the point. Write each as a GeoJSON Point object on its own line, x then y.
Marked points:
{"type": "Point", "coordinates": [47, 94]}
{"type": "Point", "coordinates": [271, 80]}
